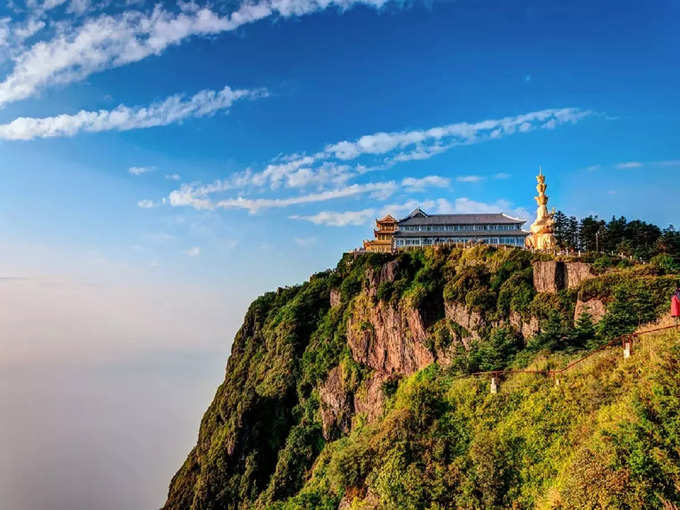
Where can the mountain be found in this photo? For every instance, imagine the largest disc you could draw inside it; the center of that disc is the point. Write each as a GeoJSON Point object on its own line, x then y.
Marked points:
{"type": "Point", "coordinates": [357, 390]}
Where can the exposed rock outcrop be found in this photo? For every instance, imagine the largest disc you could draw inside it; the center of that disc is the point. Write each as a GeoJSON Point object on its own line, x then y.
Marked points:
{"type": "Point", "coordinates": [553, 275]}
{"type": "Point", "coordinates": [335, 297]}
{"type": "Point", "coordinates": [463, 316]}
{"type": "Point", "coordinates": [593, 307]}
{"type": "Point", "coordinates": [389, 271]}
{"type": "Point", "coordinates": [528, 329]}
{"type": "Point", "coordinates": [370, 399]}
{"type": "Point", "coordinates": [336, 405]}
{"type": "Point", "coordinates": [548, 276]}
{"type": "Point", "coordinates": [577, 273]}
{"type": "Point", "coordinates": [387, 339]}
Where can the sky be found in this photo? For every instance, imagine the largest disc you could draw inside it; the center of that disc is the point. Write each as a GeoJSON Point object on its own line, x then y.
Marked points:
{"type": "Point", "coordinates": [164, 163]}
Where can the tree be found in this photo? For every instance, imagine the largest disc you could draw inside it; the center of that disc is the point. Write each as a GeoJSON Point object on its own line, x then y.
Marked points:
{"type": "Point", "coordinates": [573, 233]}
{"type": "Point", "coordinates": [669, 243]}
{"type": "Point", "coordinates": [591, 233]}
{"type": "Point", "coordinates": [643, 235]}
{"type": "Point", "coordinates": [616, 232]}
{"type": "Point", "coordinates": [561, 229]}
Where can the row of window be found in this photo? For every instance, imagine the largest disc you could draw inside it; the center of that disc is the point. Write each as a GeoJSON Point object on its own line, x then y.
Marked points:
{"type": "Point", "coordinates": [453, 228]}
{"type": "Point", "coordinates": [427, 241]}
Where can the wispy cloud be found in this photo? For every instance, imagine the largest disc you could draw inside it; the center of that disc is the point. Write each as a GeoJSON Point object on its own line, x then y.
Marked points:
{"type": "Point", "coordinates": [457, 134]}
{"type": "Point", "coordinates": [502, 175]}
{"type": "Point", "coordinates": [139, 170]}
{"type": "Point", "coordinates": [629, 164]}
{"type": "Point", "coordinates": [123, 118]}
{"type": "Point", "coordinates": [415, 184]}
{"type": "Point", "coordinates": [194, 251]}
{"type": "Point", "coordinates": [339, 219]}
{"type": "Point", "coordinates": [106, 41]}
{"type": "Point", "coordinates": [462, 205]}
{"type": "Point", "coordinates": [470, 178]}
{"type": "Point", "coordinates": [146, 204]}
{"type": "Point", "coordinates": [377, 190]}
{"type": "Point", "coordinates": [400, 210]}
{"type": "Point", "coordinates": [173, 177]}
{"type": "Point", "coordinates": [625, 165]}
{"type": "Point", "coordinates": [331, 170]}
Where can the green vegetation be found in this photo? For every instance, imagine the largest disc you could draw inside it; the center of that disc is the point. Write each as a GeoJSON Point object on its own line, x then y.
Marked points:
{"type": "Point", "coordinates": [635, 238]}
{"type": "Point", "coordinates": [606, 437]}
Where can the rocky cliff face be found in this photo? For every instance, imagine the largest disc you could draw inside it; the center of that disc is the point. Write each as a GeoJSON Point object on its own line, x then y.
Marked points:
{"type": "Point", "coordinates": [313, 361]}
{"type": "Point", "coordinates": [552, 276]}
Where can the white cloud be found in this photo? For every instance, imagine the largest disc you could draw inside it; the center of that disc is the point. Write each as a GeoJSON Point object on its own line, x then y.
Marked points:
{"type": "Point", "coordinates": [46, 5]}
{"type": "Point", "coordinates": [400, 210]}
{"type": "Point", "coordinates": [146, 204]}
{"type": "Point", "coordinates": [502, 175]}
{"type": "Point", "coordinates": [139, 170]}
{"type": "Point", "coordinates": [330, 171]}
{"type": "Point", "coordinates": [464, 205]}
{"type": "Point", "coordinates": [28, 29]}
{"type": "Point", "coordinates": [173, 177]}
{"type": "Point", "coordinates": [123, 118]}
{"type": "Point", "coordinates": [414, 184]}
{"type": "Point", "coordinates": [461, 205]}
{"type": "Point", "coordinates": [79, 6]}
{"type": "Point", "coordinates": [629, 164]}
{"type": "Point", "coordinates": [339, 219]}
{"type": "Point", "coordinates": [196, 197]}
{"type": "Point", "coordinates": [194, 251]}
{"type": "Point", "coordinates": [331, 165]}
{"type": "Point", "coordinates": [454, 134]}
{"type": "Point", "coordinates": [108, 41]}
{"type": "Point", "coordinates": [469, 178]}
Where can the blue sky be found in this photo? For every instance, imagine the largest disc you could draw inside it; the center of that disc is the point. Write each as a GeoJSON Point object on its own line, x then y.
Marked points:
{"type": "Point", "coordinates": [163, 163]}
{"type": "Point", "coordinates": [310, 81]}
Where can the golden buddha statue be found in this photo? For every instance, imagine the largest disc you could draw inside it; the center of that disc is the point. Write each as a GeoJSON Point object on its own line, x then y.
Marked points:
{"type": "Point", "coordinates": [542, 230]}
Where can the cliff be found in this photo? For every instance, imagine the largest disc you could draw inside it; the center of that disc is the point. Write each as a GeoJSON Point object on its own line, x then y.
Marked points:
{"type": "Point", "coordinates": [352, 390]}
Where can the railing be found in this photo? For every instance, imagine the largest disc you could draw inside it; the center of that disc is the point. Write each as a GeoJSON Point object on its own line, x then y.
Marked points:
{"type": "Point", "coordinates": [625, 340]}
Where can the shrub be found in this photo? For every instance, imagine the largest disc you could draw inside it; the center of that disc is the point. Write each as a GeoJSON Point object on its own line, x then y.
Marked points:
{"type": "Point", "coordinates": [481, 300]}
{"type": "Point", "coordinates": [665, 262]}
{"type": "Point", "coordinates": [384, 292]}
{"type": "Point", "coordinates": [350, 286]}
{"type": "Point", "coordinates": [498, 351]}
{"type": "Point", "coordinates": [632, 305]}
{"type": "Point", "coordinates": [470, 278]}
{"type": "Point", "coordinates": [516, 293]}
{"type": "Point", "coordinates": [603, 262]}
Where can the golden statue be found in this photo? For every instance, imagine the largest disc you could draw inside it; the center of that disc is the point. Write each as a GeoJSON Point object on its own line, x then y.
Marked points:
{"type": "Point", "coordinates": [542, 229]}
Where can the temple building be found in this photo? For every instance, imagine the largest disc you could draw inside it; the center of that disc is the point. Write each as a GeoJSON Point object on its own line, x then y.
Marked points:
{"type": "Point", "coordinates": [542, 230]}
{"type": "Point", "coordinates": [498, 229]}
{"type": "Point", "coordinates": [383, 233]}
{"type": "Point", "coordinates": [422, 229]}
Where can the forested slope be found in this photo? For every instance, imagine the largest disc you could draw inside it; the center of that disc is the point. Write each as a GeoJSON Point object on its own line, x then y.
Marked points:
{"type": "Point", "coordinates": [353, 390]}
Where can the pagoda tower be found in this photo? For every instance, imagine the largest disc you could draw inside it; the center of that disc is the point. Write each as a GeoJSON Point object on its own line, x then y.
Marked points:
{"type": "Point", "coordinates": [384, 232]}
{"type": "Point", "coordinates": [542, 230]}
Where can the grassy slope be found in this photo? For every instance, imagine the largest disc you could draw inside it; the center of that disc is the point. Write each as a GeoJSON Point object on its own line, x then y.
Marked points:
{"type": "Point", "coordinates": [608, 436]}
